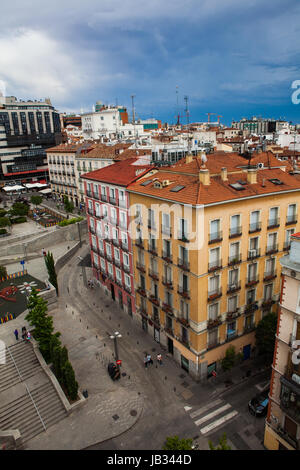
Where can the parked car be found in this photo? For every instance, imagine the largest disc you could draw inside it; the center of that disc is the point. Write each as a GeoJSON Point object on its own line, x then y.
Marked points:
{"type": "Point", "coordinates": [113, 371]}
{"type": "Point", "coordinates": [258, 405]}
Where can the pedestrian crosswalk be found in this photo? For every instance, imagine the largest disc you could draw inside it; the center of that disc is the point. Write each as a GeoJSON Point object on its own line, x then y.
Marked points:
{"type": "Point", "coordinates": [211, 415]}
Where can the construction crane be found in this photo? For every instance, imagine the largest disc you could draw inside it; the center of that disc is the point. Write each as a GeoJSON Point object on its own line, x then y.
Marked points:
{"type": "Point", "coordinates": [219, 116]}
{"type": "Point", "coordinates": [209, 114]}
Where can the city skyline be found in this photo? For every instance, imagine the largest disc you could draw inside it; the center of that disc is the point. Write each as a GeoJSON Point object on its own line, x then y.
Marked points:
{"type": "Point", "coordinates": [231, 59]}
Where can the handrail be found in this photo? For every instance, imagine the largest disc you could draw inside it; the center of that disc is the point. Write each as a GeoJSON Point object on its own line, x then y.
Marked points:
{"type": "Point", "coordinates": [38, 413]}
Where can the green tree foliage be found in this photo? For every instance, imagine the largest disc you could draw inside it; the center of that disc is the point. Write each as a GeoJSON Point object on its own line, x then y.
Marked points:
{"type": "Point", "coordinates": [63, 359]}
{"type": "Point", "coordinates": [36, 200]}
{"type": "Point", "coordinates": [5, 222]}
{"type": "Point", "coordinates": [174, 443]}
{"type": "Point", "coordinates": [265, 335]}
{"type": "Point", "coordinates": [222, 444]}
{"type": "Point", "coordinates": [229, 359]}
{"type": "Point", "coordinates": [3, 272]}
{"type": "Point", "coordinates": [43, 324]}
{"type": "Point", "coordinates": [69, 381]}
{"type": "Point", "coordinates": [19, 208]}
{"type": "Point", "coordinates": [69, 206]}
{"type": "Point", "coordinates": [49, 260]}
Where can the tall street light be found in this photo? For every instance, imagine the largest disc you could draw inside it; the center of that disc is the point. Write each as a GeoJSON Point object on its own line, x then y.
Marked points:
{"type": "Point", "coordinates": [114, 337]}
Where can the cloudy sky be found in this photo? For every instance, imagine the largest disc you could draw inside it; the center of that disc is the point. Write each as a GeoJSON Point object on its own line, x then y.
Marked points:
{"type": "Point", "coordinates": [230, 57]}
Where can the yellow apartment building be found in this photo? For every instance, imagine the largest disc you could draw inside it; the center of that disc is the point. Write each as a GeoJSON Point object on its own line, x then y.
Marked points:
{"type": "Point", "coordinates": [208, 234]}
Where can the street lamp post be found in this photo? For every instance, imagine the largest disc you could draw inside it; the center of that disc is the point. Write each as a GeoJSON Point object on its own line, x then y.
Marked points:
{"type": "Point", "coordinates": [114, 337]}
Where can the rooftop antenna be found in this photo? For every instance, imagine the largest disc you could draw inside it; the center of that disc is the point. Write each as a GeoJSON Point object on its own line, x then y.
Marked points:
{"type": "Point", "coordinates": [133, 119]}
{"type": "Point", "coordinates": [177, 107]}
{"type": "Point", "coordinates": [186, 99]}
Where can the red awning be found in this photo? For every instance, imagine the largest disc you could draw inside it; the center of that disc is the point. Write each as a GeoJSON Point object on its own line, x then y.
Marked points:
{"type": "Point", "coordinates": [26, 172]}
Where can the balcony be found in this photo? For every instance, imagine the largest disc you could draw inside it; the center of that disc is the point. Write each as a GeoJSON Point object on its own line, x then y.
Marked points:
{"type": "Point", "coordinates": [248, 328]}
{"type": "Point", "coordinates": [255, 227]}
{"type": "Point", "coordinates": [141, 267]}
{"type": "Point", "coordinates": [185, 342]}
{"type": "Point", "coordinates": [97, 196]}
{"type": "Point", "coordinates": [112, 200]}
{"type": "Point", "coordinates": [213, 323]}
{"type": "Point", "coordinates": [169, 331]}
{"type": "Point", "coordinates": [183, 264]}
{"type": "Point", "coordinates": [123, 224]}
{"type": "Point", "coordinates": [143, 311]}
{"type": "Point", "coordinates": [269, 275]}
{"type": "Point", "coordinates": [290, 397]}
{"type": "Point", "coordinates": [167, 282]}
{"type": "Point", "coordinates": [252, 280]}
{"type": "Point", "coordinates": [111, 276]}
{"type": "Point", "coordinates": [254, 253]}
{"type": "Point", "coordinates": [139, 243]}
{"type": "Point", "coordinates": [214, 294]}
{"type": "Point", "coordinates": [127, 288]}
{"type": "Point", "coordinates": [213, 344]}
{"type": "Point", "coordinates": [236, 259]}
{"type": "Point", "coordinates": [92, 230]}
{"type": "Point", "coordinates": [273, 223]}
{"type": "Point", "coordinates": [251, 307]}
{"type": "Point", "coordinates": [214, 265]}
{"type": "Point", "coordinates": [232, 315]}
{"type": "Point", "coordinates": [151, 225]}
{"type": "Point", "coordinates": [108, 256]}
{"type": "Point", "coordinates": [271, 249]}
{"type": "Point", "coordinates": [291, 219]}
{"type": "Point", "coordinates": [91, 211]}
{"type": "Point", "coordinates": [115, 242]}
{"type": "Point", "coordinates": [267, 304]}
{"type": "Point", "coordinates": [89, 193]}
{"type": "Point", "coordinates": [103, 197]}
{"type": "Point", "coordinates": [124, 246]}
{"type": "Point", "coordinates": [153, 274]}
{"type": "Point", "coordinates": [94, 249]}
{"type": "Point", "coordinates": [234, 287]}
{"type": "Point", "coordinates": [122, 203]}
{"type": "Point", "coordinates": [183, 320]}
{"type": "Point", "coordinates": [286, 246]}
{"type": "Point", "coordinates": [113, 220]}
{"type": "Point", "coordinates": [183, 237]}
{"type": "Point", "coordinates": [154, 299]}
{"type": "Point", "coordinates": [167, 308]}
{"type": "Point", "coordinates": [126, 268]}
{"type": "Point", "coordinates": [166, 256]}
{"type": "Point", "coordinates": [142, 291]}
{"type": "Point", "coordinates": [119, 282]}
{"type": "Point", "coordinates": [184, 292]}
{"type": "Point", "coordinates": [235, 232]}
{"type": "Point", "coordinates": [215, 237]}
{"type": "Point", "coordinates": [152, 250]}
{"type": "Point", "coordinates": [117, 262]}
{"type": "Point", "coordinates": [230, 336]}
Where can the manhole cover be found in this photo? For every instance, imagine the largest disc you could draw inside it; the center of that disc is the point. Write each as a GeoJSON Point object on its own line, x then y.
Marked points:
{"type": "Point", "coordinates": [133, 412]}
{"type": "Point", "coordinates": [115, 417]}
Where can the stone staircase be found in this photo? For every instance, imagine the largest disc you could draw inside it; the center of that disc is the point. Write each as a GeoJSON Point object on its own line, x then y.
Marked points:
{"type": "Point", "coordinates": [28, 403]}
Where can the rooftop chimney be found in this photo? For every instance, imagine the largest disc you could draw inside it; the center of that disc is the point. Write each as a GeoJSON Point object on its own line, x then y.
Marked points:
{"type": "Point", "coordinates": [224, 174]}
{"type": "Point", "coordinates": [204, 176]}
{"type": "Point", "coordinates": [189, 158]}
{"type": "Point", "coordinates": [252, 175]}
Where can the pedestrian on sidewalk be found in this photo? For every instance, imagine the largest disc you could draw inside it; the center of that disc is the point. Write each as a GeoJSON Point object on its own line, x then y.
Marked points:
{"type": "Point", "coordinates": [44, 252]}
{"type": "Point", "coordinates": [24, 333]}
{"type": "Point", "coordinates": [16, 333]}
{"type": "Point", "coordinates": [149, 359]}
{"type": "Point", "coordinates": [146, 360]}
{"type": "Point", "coordinates": [28, 336]}
{"type": "Point", "coordinates": [159, 358]}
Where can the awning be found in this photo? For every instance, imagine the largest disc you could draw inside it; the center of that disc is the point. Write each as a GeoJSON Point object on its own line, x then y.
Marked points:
{"type": "Point", "coordinates": [45, 191]}
{"type": "Point", "coordinates": [13, 188]}
{"type": "Point", "coordinates": [31, 185]}
{"type": "Point", "coordinates": [40, 185]}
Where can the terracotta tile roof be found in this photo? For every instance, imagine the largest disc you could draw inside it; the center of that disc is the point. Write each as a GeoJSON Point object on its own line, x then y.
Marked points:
{"type": "Point", "coordinates": [70, 148]}
{"type": "Point", "coordinates": [120, 173]}
{"type": "Point", "coordinates": [102, 151]}
{"type": "Point", "coordinates": [194, 192]}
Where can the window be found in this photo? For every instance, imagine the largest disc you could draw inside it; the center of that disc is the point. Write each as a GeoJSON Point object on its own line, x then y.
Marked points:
{"type": "Point", "coordinates": [214, 258]}
{"type": "Point", "coordinates": [117, 254]}
{"type": "Point", "coordinates": [232, 303]}
{"type": "Point", "coordinates": [233, 278]}
{"type": "Point", "coordinates": [123, 219]}
{"type": "Point", "coordinates": [250, 296]}
{"type": "Point", "coordinates": [235, 225]}
{"type": "Point", "coordinates": [268, 291]}
{"type": "Point", "coordinates": [110, 269]}
{"type": "Point", "coordinates": [213, 311]}
{"type": "Point", "coordinates": [124, 240]}
{"type": "Point", "coordinates": [108, 249]}
{"type": "Point", "coordinates": [291, 214]}
{"type": "Point", "coordinates": [273, 217]}
{"type": "Point", "coordinates": [231, 329]}
{"type": "Point", "coordinates": [252, 269]}
{"type": "Point", "coordinates": [167, 249]}
{"type": "Point", "coordinates": [104, 211]}
{"type": "Point", "coordinates": [214, 233]}
{"type": "Point", "coordinates": [126, 259]}
{"type": "Point", "coordinates": [113, 215]}
{"type": "Point", "coordinates": [127, 281]}
{"type": "Point", "coordinates": [183, 230]}
{"type": "Point", "coordinates": [166, 224]}
{"type": "Point", "coordinates": [214, 283]}
{"type": "Point", "coordinates": [151, 221]}
{"type": "Point", "coordinates": [272, 242]}
{"type": "Point", "coordinates": [118, 275]}
{"type": "Point", "coordinates": [270, 267]}
{"type": "Point", "coordinates": [97, 208]}
{"type": "Point", "coordinates": [102, 263]}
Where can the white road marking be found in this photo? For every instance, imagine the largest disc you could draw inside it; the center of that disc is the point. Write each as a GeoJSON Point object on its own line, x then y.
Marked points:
{"type": "Point", "coordinates": [218, 422]}
{"type": "Point", "coordinates": [213, 414]}
{"type": "Point", "coordinates": [205, 408]}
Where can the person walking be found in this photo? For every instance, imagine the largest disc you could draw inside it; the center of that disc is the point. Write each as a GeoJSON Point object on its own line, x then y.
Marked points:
{"type": "Point", "coordinates": [16, 333]}
{"type": "Point", "coordinates": [159, 358]}
{"type": "Point", "coordinates": [28, 336]}
{"type": "Point", "coordinates": [146, 361]}
{"type": "Point", "coordinates": [149, 359]}
{"type": "Point", "coordinates": [24, 333]}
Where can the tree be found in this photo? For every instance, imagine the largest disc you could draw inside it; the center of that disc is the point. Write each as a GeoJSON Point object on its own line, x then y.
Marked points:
{"type": "Point", "coordinates": [19, 208]}
{"type": "Point", "coordinates": [5, 222]}
{"type": "Point", "coordinates": [222, 444]}
{"type": "Point", "coordinates": [174, 443]}
{"type": "Point", "coordinates": [69, 381]}
{"type": "Point", "coordinates": [69, 206]}
{"type": "Point", "coordinates": [36, 200]}
{"type": "Point", "coordinates": [49, 261]}
{"type": "Point", "coordinates": [265, 335]}
{"type": "Point", "coordinates": [3, 271]}
{"type": "Point", "coordinates": [229, 359]}
{"type": "Point", "coordinates": [42, 322]}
